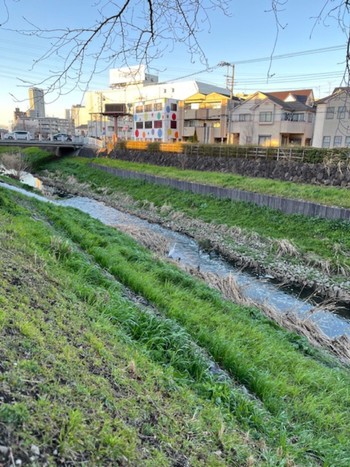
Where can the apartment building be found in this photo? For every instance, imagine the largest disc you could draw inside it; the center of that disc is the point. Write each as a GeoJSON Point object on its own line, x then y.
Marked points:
{"type": "Point", "coordinates": [138, 99]}
{"type": "Point", "coordinates": [205, 114]}
{"type": "Point", "coordinates": [274, 118]}
{"type": "Point", "coordinates": [36, 102]}
{"type": "Point", "coordinates": [332, 123]}
{"type": "Point", "coordinates": [156, 120]}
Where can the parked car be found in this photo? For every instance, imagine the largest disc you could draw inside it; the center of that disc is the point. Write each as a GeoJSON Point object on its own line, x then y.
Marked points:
{"type": "Point", "coordinates": [18, 135]}
{"type": "Point", "coordinates": [61, 137]}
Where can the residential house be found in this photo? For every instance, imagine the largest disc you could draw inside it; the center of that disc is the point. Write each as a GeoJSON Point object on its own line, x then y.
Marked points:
{"type": "Point", "coordinates": [204, 116]}
{"type": "Point", "coordinates": [274, 118]}
{"type": "Point", "coordinates": [332, 123]}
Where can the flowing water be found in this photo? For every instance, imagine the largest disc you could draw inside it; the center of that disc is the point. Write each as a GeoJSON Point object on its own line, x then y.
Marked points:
{"type": "Point", "coordinates": [186, 250]}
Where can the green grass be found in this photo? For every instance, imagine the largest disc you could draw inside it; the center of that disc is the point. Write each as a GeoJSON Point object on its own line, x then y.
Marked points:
{"type": "Point", "coordinates": [328, 240]}
{"type": "Point", "coordinates": [331, 196]}
{"type": "Point", "coordinates": [305, 396]}
{"type": "Point", "coordinates": [82, 386]}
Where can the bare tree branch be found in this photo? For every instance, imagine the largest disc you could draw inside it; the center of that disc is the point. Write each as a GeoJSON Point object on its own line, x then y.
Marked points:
{"type": "Point", "coordinates": [124, 33]}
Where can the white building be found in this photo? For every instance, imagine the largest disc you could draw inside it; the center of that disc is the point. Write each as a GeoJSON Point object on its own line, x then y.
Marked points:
{"type": "Point", "coordinates": [274, 118]}
{"type": "Point", "coordinates": [129, 92]}
{"type": "Point", "coordinates": [332, 124]}
{"type": "Point", "coordinates": [36, 102]}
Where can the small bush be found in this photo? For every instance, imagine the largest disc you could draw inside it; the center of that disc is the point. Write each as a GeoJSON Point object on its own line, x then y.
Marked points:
{"type": "Point", "coordinates": [121, 145]}
{"type": "Point", "coordinates": [153, 147]}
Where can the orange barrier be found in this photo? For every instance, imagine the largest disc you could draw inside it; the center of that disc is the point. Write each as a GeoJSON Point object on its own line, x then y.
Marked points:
{"type": "Point", "coordinates": [171, 147]}
{"type": "Point", "coordinates": [164, 147]}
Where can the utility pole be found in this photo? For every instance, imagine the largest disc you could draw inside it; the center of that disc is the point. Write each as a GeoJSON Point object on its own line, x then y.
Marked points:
{"type": "Point", "coordinates": [230, 76]}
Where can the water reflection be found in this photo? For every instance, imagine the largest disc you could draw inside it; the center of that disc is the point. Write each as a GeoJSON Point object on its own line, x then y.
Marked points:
{"type": "Point", "coordinates": [188, 252]}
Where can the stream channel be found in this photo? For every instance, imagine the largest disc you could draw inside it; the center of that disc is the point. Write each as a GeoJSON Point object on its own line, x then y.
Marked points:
{"type": "Point", "coordinates": [183, 248]}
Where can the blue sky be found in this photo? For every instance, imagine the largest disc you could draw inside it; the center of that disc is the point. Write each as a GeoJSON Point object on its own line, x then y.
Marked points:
{"type": "Point", "coordinates": [315, 50]}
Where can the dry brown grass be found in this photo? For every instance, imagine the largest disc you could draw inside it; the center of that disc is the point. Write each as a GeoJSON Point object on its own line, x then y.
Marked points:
{"type": "Point", "coordinates": [14, 163]}
{"type": "Point", "coordinates": [231, 290]}
{"type": "Point", "coordinates": [155, 242]}
{"type": "Point", "coordinates": [286, 248]}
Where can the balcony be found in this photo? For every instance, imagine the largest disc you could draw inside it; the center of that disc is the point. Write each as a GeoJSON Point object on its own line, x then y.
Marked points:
{"type": "Point", "coordinates": [296, 127]}
{"type": "Point", "coordinates": [190, 114]}
{"type": "Point", "coordinates": [188, 131]}
{"type": "Point", "coordinates": [202, 114]}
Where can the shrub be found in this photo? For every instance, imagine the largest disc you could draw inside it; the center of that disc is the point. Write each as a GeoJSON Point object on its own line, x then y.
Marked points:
{"type": "Point", "coordinates": [153, 147]}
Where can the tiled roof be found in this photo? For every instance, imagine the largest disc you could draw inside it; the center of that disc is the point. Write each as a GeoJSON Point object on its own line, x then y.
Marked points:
{"type": "Point", "coordinates": [300, 94]}
{"type": "Point", "coordinates": [335, 92]}
{"type": "Point", "coordinates": [295, 106]}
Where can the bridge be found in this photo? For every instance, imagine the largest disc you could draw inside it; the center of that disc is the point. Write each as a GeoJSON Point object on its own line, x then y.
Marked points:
{"type": "Point", "coordinates": [60, 148]}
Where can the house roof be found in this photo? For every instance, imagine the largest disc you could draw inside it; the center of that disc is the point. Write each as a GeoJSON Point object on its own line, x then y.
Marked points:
{"type": "Point", "coordinates": [290, 106]}
{"type": "Point", "coordinates": [211, 97]}
{"type": "Point", "coordinates": [205, 88]}
{"type": "Point", "coordinates": [295, 105]}
{"type": "Point", "coordinates": [336, 92]}
{"type": "Point", "coordinates": [301, 95]}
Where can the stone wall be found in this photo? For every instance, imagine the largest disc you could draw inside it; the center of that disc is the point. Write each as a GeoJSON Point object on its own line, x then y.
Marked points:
{"type": "Point", "coordinates": [335, 174]}
{"type": "Point", "coordinates": [286, 205]}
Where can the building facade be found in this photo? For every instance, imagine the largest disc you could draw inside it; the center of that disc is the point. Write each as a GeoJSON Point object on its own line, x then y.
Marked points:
{"type": "Point", "coordinates": [138, 104]}
{"type": "Point", "coordinates": [277, 119]}
{"type": "Point", "coordinates": [332, 125]}
{"type": "Point", "coordinates": [156, 120]}
{"type": "Point", "coordinates": [36, 102]}
{"type": "Point", "coordinates": [204, 117]}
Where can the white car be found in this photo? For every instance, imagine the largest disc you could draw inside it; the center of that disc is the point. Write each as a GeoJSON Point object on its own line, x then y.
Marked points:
{"type": "Point", "coordinates": [18, 135]}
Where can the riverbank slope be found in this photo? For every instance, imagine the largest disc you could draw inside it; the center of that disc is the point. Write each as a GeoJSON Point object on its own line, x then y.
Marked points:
{"type": "Point", "coordinates": [90, 372]}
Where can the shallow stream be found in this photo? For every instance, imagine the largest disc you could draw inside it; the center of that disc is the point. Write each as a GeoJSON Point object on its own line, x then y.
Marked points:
{"type": "Point", "coordinates": [186, 250]}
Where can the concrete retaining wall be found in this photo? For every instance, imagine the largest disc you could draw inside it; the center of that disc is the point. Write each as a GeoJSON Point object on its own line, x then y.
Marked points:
{"type": "Point", "coordinates": [286, 205]}
{"type": "Point", "coordinates": [332, 174]}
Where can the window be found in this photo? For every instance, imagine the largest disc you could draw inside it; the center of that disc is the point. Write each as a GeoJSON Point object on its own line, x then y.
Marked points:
{"type": "Point", "coordinates": [341, 112]}
{"type": "Point", "coordinates": [264, 140]}
{"type": "Point", "coordinates": [148, 108]}
{"type": "Point", "coordinates": [173, 107]}
{"type": "Point", "coordinates": [139, 109]}
{"type": "Point", "coordinates": [326, 142]}
{"type": "Point", "coordinates": [298, 117]}
{"type": "Point", "coordinates": [148, 124]}
{"type": "Point", "coordinates": [158, 124]}
{"type": "Point", "coordinates": [347, 141]}
{"type": "Point", "coordinates": [158, 106]}
{"type": "Point", "coordinates": [173, 124]}
{"type": "Point", "coordinates": [265, 117]}
{"type": "Point", "coordinates": [244, 117]}
{"type": "Point", "coordinates": [293, 117]}
{"type": "Point", "coordinates": [337, 141]}
{"type": "Point", "coordinates": [139, 125]}
{"type": "Point", "coordinates": [330, 113]}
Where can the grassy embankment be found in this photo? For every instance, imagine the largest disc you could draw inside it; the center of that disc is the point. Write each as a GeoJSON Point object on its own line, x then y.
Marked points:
{"type": "Point", "coordinates": [77, 373]}
{"type": "Point", "coordinates": [75, 385]}
{"type": "Point", "coordinates": [331, 196]}
{"type": "Point", "coordinates": [317, 240]}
